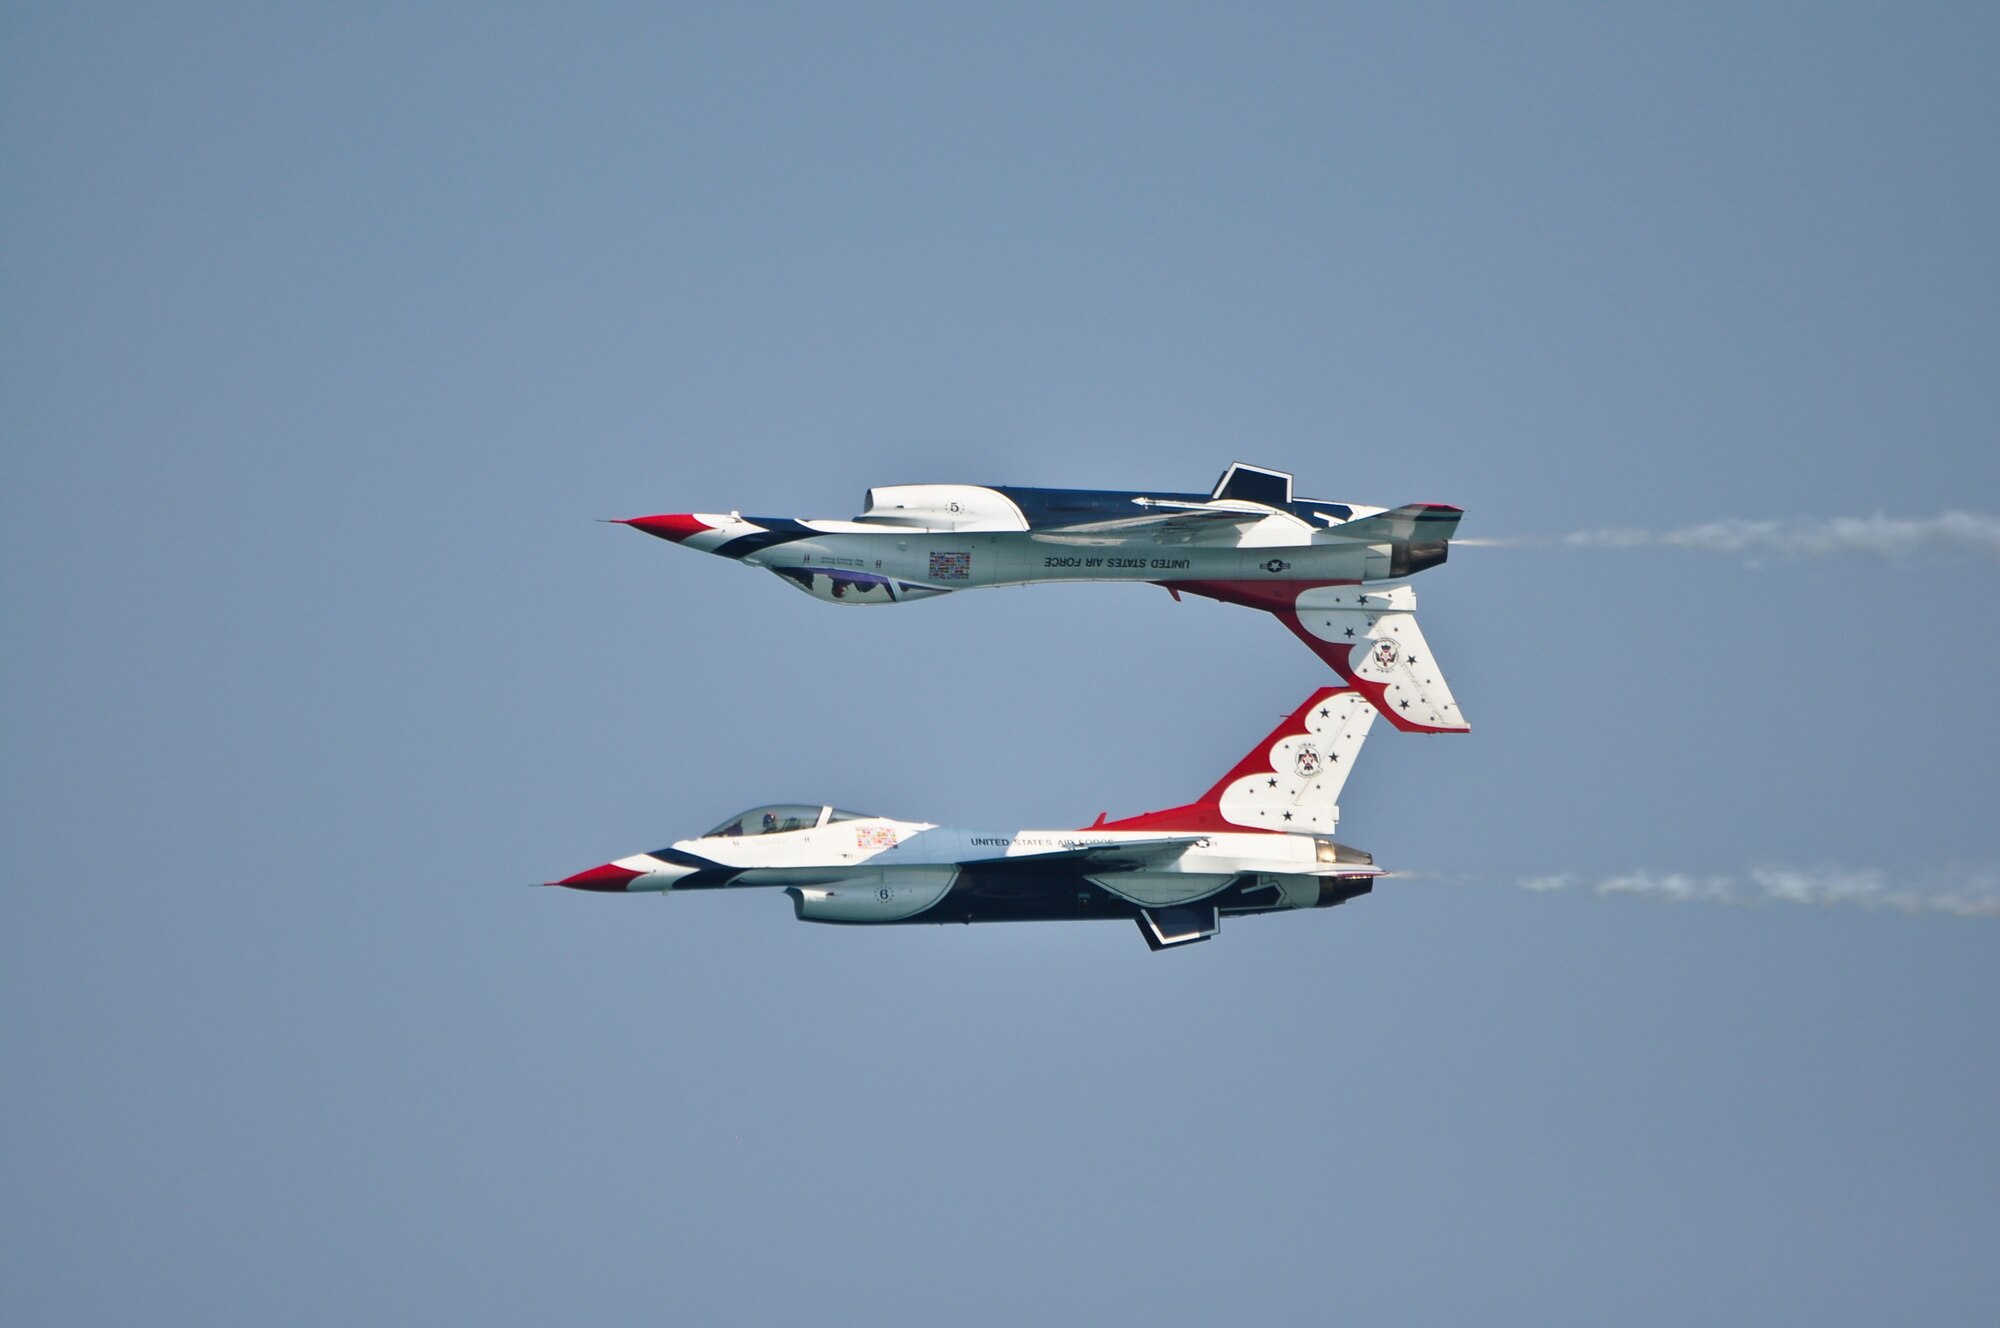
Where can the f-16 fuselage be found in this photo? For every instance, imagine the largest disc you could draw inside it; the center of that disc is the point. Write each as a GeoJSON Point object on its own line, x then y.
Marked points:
{"type": "Point", "coordinates": [1259, 841]}
{"type": "Point", "coordinates": [1334, 573]}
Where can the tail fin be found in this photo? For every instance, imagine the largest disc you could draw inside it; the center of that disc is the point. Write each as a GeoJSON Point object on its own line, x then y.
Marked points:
{"type": "Point", "coordinates": [1290, 781]}
{"type": "Point", "coordinates": [1371, 638]}
{"type": "Point", "coordinates": [1369, 634]}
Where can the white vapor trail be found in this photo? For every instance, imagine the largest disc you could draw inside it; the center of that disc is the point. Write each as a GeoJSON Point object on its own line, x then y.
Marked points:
{"type": "Point", "coordinates": [1966, 892]}
{"type": "Point", "coordinates": [1972, 533]}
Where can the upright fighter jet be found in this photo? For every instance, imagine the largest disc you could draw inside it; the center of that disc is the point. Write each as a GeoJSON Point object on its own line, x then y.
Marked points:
{"type": "Point", "coordinates": [1260, 841]}
{"type": "Point", "coordinates": [1335, 574]}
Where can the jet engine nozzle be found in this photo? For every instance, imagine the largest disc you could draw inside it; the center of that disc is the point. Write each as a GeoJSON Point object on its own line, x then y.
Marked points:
{"type": "Point", "coordinates": [1339, 889]}
{"type": "Point", "coordinates": [1333, 853]}
{"type": "Point", "coordinates": [1413, 557]}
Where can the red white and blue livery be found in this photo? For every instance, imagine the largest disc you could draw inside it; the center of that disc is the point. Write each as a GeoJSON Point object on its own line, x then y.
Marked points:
{"type": "Point", "coordinates": [1259, 841]}
{"type": "Point", "coordinates": [1337, 575]}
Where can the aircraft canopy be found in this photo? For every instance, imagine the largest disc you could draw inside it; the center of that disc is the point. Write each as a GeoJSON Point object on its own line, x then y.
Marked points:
{"type": "Point", "coordinates": [781, 817]}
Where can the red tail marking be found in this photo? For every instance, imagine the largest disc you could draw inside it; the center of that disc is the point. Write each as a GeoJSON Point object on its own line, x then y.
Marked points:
{"type": "Point", "coordinates": [1205, 813]}
{"type": "Point", "coordinates": [1280, 599]}
{"type": "Point", "coordinates": [1270, 596]}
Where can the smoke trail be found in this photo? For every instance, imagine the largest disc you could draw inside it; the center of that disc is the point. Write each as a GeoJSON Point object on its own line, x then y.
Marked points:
{"type": "Point", "coordinates": [1974, 534]}
{"type": "Point", "coordinates": [1965, 892]}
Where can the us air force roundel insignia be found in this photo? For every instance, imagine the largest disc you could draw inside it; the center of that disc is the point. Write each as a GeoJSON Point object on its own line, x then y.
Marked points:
{"type": "Point", "coordinates": [1308, 762]}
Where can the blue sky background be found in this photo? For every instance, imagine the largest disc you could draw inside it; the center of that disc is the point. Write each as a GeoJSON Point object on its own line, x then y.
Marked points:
{"type": "Point", "coordinates": [327, 333]}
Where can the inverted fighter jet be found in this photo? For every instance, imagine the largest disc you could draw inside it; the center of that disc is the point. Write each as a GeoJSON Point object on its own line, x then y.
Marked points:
{"type": "Point", "coordinates": [1260, 841]}
{"type": "Point", "coordinates": [1337, 575]}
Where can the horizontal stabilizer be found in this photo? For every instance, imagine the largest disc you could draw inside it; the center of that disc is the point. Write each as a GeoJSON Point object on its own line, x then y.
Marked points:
{"type": "Point", "coordinates": [1421, 523]}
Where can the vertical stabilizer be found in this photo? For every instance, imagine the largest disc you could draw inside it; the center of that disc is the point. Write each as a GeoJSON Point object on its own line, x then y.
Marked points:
{"type": "Point", "coordinates": [1370, 636]}
{"type": "Point", "coordinates": [1367, 633]}
{"type": "Point", "coordinates": [1290, 782]}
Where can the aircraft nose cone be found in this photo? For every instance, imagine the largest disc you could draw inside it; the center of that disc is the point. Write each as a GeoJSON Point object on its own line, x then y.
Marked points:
{"type": "Point", "coordinates": [675, 526]}
{"type": "Point", "coordinates": [607, 878]}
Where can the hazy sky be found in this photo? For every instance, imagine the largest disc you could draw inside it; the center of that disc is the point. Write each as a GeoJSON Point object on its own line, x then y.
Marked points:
{"type": "Point", "coordinates": [325, 334]}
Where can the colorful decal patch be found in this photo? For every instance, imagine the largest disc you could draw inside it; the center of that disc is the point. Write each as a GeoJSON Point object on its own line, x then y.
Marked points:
{"type": "Point", "coordinates": [1308, 762]}
{"type": "Point", "coordinates": [1385, 653]}
{"type": "Point", "coordinates": [951, 566]}
{"type": "Point", "coordinates": [874, 836]}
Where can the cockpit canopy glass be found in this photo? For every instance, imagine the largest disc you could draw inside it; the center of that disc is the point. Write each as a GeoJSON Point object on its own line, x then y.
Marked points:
{"type": "Point", "coordinates": [773, 820]}
{"type": "Point", "coordinates": [780, 817]}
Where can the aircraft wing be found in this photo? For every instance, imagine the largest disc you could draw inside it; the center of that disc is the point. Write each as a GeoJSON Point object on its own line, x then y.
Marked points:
{"type": "Point", "coordinates": [1126, 855]}
{"type": "Point", "coordinates": [1209, 523]}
